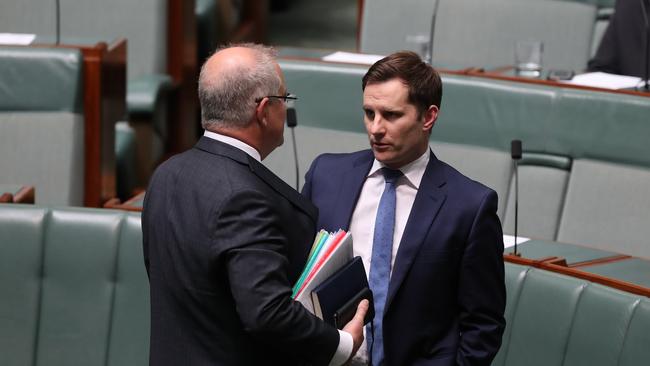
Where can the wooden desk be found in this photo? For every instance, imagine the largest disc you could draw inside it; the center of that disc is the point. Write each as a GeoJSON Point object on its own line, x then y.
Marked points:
{"type": "Point", "coordinates": [132, 204]}
{"type": "Point", "coordinates": [505, 73]}
{"type": "Point", "coordinates": [600, 270]}
{"type": "Point", "coordinates": [17, 194]}
{"type": "Point", "coordinates": [500, 73]}
{"type": "Point", "coordinates": [182, 67]}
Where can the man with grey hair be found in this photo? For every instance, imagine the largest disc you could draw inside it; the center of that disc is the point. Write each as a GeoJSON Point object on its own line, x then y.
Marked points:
{"type": "Point", "coordinates": [224, 238]}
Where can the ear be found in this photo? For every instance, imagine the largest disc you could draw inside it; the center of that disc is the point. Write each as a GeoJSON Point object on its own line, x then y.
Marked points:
{"type": "Point", "coordinates": [261, 111]}
{"type": "Point", "coordinates": [430, 117]}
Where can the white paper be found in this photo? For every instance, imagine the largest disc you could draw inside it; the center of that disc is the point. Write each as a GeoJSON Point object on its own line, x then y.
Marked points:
{"type": "Point", "coordinates": [354, 58]}
{"type": "Point", "coordinates": [509, 240]}
{"type": "Point", "coordinates": [17, 38]}
{"type": "Point", "coordinates": [605, 80]}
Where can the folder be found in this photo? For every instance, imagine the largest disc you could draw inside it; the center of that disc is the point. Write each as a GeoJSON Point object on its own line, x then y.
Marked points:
{"type": "Point", "coordinates": [336, 299]}
{"type": "Point", "coordinates": [334, 257]}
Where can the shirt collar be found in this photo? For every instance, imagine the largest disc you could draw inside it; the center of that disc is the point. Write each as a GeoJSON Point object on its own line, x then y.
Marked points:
{"type": "Point", "coordinates": [248, 149]}
{"type": "Point", "coordinates": [413, 171]}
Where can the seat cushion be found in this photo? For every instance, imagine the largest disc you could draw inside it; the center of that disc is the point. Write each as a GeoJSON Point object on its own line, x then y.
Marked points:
{"type": "Point", "coordinates": [606, 207]}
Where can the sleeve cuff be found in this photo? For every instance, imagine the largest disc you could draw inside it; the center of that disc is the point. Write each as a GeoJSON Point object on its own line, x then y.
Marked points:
{"type": "Point", "coordinates": [343, 350]}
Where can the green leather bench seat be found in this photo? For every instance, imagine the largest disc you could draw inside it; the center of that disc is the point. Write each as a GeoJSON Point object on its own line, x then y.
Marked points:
{"type": "Point", "coordinates": [75, 292]}
{"type": "Point", "coordinates": [554, 319]}
{"type": "Point", "coordinates": [607, 206]}
{"type": "Point", "coordinates": [483, 33]}
{"type": "Point", "coordinates": [632, 270]}
{"type": "Point", "coordinates": [42, 123]}
{"type": "Point", "coordinates": [542, 185]}
{"type": "Point", "coordinates": [74, 287]}
{"type": "Point", "coordinates": [125, 159]}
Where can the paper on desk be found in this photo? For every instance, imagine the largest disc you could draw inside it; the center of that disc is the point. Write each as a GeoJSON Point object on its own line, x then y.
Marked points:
{"type": "Point", "coordinates": [604, 80]}
{"type": "Point", "coordinates": [354, 58]}
{"type": "Point", "coordinates": [509, 240]}
{"type": "Point", "coordinates": [17, 38]}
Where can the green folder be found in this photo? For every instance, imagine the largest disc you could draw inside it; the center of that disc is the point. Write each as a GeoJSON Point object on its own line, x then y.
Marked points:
{"type": "Point", "coordinates": [324, 235]}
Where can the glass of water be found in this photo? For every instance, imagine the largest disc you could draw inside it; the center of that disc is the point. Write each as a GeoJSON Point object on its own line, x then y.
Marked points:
{"type": "Point", "coordinates": [528, 58]}
{"type": "Point", "coordinates": [419, 43]}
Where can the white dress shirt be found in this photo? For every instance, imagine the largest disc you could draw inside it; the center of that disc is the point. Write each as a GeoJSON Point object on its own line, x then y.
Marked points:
{"type": "Point", "coordinates": [362, 225]}
{"type": "Point", "coordinates": [346, 344]}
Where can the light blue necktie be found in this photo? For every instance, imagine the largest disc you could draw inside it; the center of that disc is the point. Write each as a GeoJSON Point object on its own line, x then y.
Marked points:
{"type": "Point", "coordinates": [382, 250]}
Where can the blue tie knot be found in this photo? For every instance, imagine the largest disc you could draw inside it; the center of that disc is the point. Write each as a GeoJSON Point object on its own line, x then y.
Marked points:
{"type": "Point", "coordinates": [391, 175]}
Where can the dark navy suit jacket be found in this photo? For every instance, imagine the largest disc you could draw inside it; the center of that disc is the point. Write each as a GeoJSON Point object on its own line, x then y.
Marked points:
{"type": "Point", "coordinates": [224, 241]}
{"type": "Point", "coordinates": [446, 296]}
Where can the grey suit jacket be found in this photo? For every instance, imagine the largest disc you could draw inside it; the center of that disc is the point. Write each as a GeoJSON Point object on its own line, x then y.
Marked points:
{"type": "Point", "coordinates": [224, 240]}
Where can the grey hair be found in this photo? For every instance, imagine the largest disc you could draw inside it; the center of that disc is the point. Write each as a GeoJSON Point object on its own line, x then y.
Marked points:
{"type": "Point", "coordinates": [228, 99]}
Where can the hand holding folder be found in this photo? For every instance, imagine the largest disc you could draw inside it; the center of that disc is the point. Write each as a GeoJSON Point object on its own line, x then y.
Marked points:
{"type": "Point", "coordinates": [336, 299]}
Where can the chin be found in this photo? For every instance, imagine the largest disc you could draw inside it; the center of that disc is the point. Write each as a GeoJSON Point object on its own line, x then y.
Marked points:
{"type": "Point", "coordinates": [384, 158]}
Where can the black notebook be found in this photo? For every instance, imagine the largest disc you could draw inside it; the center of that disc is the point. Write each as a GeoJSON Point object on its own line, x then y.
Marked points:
{"type": "Point", "coordinates": [336, 299]}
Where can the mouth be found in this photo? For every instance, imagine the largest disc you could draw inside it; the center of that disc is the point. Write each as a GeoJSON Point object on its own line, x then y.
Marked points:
{"type": "Point", "coordinates": [379, 145]}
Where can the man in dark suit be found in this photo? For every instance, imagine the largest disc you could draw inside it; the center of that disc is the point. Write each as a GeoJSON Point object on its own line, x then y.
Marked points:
{"type": "Point", "coordinates": [623, 49]}
{"type": "Point", "coordinates": [225, 239]}
{"type": "Point", "coordinates": [429, 236]}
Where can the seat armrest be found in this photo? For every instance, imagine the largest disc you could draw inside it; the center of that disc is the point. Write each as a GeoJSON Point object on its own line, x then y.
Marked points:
{"type": "Point", "coordinates": [144, 93]}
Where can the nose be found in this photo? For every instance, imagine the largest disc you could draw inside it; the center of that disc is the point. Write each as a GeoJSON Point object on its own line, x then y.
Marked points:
{"type": "Point", "coordinates": [376, 126]}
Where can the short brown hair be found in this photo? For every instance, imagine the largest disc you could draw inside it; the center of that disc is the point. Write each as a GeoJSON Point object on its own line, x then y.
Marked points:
{"type": "Point", "coordinates": [422, 80]}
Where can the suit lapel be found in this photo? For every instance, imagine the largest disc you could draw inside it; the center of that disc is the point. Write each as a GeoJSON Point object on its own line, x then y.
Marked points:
{"type": "Point", "coordinates": [349, 190]}
{"type": "Point", "coordinates": [283, 188]}
{"type": "Point", "coordinates": [427, 203]}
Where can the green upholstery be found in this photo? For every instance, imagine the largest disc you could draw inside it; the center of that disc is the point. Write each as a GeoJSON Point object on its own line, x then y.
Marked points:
{"type": "Point", "coordinates": [554, 319]}
{"type": "Point", "coordinates": [599, 326]}
{"type": "Point", "coordinates": [75, 292]}
{"type": "Point", "coordinates": [81, 316]}
{"type": "Point", "coordinates": [143, 23]}
{"type": "Point", "coordinates": [514, 276]}
{"type": "Point", "coordinates": [146, 92]}
{"type": "Point", "coordinates": [311, 142]}
{"type": "Point", "coordinates": [42, 123]}
{"type": "Point", "coordinates": [41, 79]}
{"type": "Point", "coordinates": [28, 16]}
{"type": "Point", "coordinates": [607, 206]}
{"type": "Point", "coordinates": [483, 33]}
{"type": "Point", "coordinates": [540, 328]}
{"type": "Point", "coordinates": [384, 27]}
{"type": "Point", "coordinates": [125, 155]}
{"type": "Point", "coordinates": [330, 94]}
{"type": "Point", "coordinates": [637, 340]}
{"type": "Point", "coordinates": [542, 183]}
{"type": "Point", "coordinates": [22, 236]}
{"type": "Point", "coordinates": [129, 339]}
{"type": "Point", "coordinates": [74, 287]}
{"type": "Point", "coordinates": [44, 150]}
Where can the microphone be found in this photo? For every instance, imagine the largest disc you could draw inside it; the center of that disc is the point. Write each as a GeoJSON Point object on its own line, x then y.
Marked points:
{"type": "Point", "coordinates": [292, 122]}
{"type": "Point", "coordinates": [432, 32]}
{"type": "Point", "coordinates": [58, 21]}
{"type": "Point", "coordinates": [646, 56]}
{"type": "Point", "coordinates": [515, 152]}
